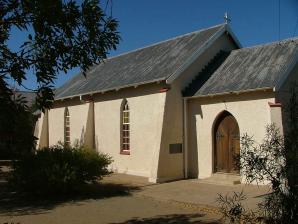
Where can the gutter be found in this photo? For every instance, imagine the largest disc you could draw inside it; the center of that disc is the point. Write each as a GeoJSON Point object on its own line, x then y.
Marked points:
{"type": "Point", "coordinates": [264, 89]}
{"type": "Point", "coordinates": [110, 89]}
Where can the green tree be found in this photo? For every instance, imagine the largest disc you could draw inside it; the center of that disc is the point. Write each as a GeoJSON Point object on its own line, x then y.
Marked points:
{"type": "Point", "coordinates": [61, 35]}
{"type": "Point", "coordinates": [16, 129]}
{"type": "Point", "coordinates": [275, 160]}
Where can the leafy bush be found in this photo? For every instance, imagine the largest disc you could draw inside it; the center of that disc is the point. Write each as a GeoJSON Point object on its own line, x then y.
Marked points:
{"type": "Point", "coordinates": [59, 170]}
{"type": "Point", "coordinates": [275, 160]}
{"type": "Point", "coordinates": [266, 162]}
{"type": "Point", "coordinates": [233, 210]}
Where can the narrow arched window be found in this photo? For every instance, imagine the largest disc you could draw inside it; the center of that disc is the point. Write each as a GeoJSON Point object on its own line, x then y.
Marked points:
{"type": "Point", "coordinates": [66, 127]}
{"type": "Point", "coordinates": [125, 128]}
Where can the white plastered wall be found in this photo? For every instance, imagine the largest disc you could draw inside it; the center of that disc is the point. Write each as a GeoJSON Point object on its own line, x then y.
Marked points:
{"type": "Point", "coordinates": [251, 111]}
{"type": "Point", "coordinates": [78, 112]}
{"type": "Point", "coordinates": [146, 120]}
{"type": "Point", "coordinates": [276, 117]}
{"type": "Point", "coordinates": [150, 136]}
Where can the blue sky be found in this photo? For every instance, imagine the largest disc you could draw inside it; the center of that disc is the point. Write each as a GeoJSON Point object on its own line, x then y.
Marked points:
{"type": "Point", "coordinates": [144, 22]}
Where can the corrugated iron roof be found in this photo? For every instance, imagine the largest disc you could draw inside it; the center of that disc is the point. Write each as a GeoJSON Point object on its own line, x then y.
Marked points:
{"type": "Point", "coordinates": [250, 68]}
{"type": "Point", "coordinates": [153, 63]}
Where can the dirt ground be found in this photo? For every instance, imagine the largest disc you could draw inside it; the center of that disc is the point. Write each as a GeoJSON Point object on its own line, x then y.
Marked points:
{"type": "Point", "coordinates": [117, 199]}
{"type": "Point", "coordinates": [126, 209]}
{"type": "Point", "coordinates": [122, 199]}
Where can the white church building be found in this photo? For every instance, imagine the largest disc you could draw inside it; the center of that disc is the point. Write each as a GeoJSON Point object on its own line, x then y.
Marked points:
{"type": "Point", "coordinates": [175, 109]}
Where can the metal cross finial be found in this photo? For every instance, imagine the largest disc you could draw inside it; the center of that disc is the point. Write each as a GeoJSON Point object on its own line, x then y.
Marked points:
{"type": "Point", "coordinates": [227, 18]}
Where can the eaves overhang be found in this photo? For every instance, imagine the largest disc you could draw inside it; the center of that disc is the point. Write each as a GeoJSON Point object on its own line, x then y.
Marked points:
{"type": "Point", "coordinates": [264, 89]}
{"type": "Point", "coordinates": [111, 89]}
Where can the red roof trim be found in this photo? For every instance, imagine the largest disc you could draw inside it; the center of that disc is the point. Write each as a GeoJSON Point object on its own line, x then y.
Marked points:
{"type": "Point", "coordinates": [163, 90]}
{"type": "Point", "coordinates": [274, 104]}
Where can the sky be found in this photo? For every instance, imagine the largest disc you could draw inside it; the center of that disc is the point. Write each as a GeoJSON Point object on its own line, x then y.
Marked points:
{"type": "Point", "coordinates": [145, 22]}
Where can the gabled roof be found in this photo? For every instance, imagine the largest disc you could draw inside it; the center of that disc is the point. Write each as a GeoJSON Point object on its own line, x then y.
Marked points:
{"type": "Point", "coordinates": [146, 65]}
{"type": "Point", "coordinates": [263, 66]}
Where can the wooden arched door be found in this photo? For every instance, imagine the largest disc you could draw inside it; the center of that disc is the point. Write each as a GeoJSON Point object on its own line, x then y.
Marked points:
{"type": "Point", "coordinates": [227, 144]}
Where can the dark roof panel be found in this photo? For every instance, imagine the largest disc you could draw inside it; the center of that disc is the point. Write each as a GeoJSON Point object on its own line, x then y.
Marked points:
{"type": "Point", "coordinates": [149, 64]}
{"type": "Point", "coordinates": [252, 68]}
{"type": "Point", "coordinates": [29, 97]}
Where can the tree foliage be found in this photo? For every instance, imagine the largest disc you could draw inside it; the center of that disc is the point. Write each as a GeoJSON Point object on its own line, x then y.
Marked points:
{"type": "Point", "coordinates": [16, 129]}
{"type": "Point", "coordinates": [60, 35]}
{"type": "Point", "coordinates": [274, 161]}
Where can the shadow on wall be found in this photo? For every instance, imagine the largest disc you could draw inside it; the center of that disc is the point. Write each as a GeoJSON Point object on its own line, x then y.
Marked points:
{"type": "Point", "coordinates": [44, 135]}
{"type": "Point", "coordinates": [81, 141]}
{"type": "Point", "coordinates": [193, 166]}
{"type": "Point", "coordinates": [96, 143]}
{"type": "Point", "coordinates": [173, 219]}
{"type": "Point", "coordinates": [170, 164]}
{"type": "Point", "coordinates": [284, 97]}
{"type": "Point", "coordinates": [89, 137]}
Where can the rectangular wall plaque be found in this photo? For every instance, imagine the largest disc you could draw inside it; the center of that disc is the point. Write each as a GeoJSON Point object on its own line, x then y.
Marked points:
{"type": "Point", "coordinates": [175, 148]}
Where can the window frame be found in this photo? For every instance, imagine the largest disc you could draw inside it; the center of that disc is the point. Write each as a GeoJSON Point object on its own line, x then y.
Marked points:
{"type": "Point", "coordinates": [125, 128]}
{"type": "Point", "coordinates": [66, 127]}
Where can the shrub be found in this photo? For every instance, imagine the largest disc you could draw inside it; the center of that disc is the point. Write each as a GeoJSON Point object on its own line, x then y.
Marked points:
{"type": "Point", "coordinates": [275, 160]}
{"type": "Point", "coordinates": [59, 170]}
{"type": "Point", "coordinates": [233, 210]}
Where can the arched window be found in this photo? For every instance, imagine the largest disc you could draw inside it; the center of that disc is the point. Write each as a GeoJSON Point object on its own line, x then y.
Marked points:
{"type": "Point", "coordinates": [66, 127]}
{"type": "Point", "coordinates": [125, 128]}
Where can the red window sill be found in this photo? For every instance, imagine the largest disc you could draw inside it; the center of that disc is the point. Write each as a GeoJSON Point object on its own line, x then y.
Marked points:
{"type": "Point", "coordinates": [122, 152]}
